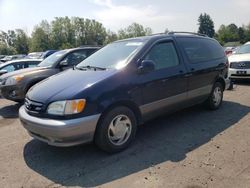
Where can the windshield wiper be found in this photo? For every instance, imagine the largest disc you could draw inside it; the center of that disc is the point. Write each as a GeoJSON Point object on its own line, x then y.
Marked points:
{"type": "Point", "coordinates": [90, 67]}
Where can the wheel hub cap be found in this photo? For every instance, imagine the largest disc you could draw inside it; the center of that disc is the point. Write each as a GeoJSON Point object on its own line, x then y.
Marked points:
{"type": "Point", "coordinates": [119, 130]}
{"type": "Point", "coordinates": [217, 96]}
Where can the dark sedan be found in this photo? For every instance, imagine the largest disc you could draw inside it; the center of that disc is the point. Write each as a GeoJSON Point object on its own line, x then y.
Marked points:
{"type": "Point", "coordinates": [14, 85]}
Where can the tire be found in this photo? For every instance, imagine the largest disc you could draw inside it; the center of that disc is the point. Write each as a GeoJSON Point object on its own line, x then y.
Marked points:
{"type": "Point", "coordinates": [116, 130]}
{"type": "Point", "coordinates": [215, 99]}
{"type": "Point", "coordinates": [231, 86]}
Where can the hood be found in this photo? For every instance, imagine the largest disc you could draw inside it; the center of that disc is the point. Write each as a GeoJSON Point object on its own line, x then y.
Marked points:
{"type": "Point", "coordinates": [67, 84]}
{"type": "Point", "coordinates": [23, 72]}
{"type": "Point", "coordinates": [239, 57]}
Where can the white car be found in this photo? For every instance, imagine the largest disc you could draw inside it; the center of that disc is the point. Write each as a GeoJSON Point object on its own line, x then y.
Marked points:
{"type": "Point", "coordinates": [239, 63]}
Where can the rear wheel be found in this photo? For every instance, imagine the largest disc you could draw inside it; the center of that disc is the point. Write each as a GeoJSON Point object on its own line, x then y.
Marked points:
{"type": "Point", "coordinates": [116, 130]}
{"type": "Point", "coordinates": [214, 101]}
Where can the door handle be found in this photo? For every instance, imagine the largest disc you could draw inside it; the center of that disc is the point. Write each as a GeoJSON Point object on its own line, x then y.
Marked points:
{"type": "Point", "coordinates": [188, 75]}
{"type": "Point", "coordinates": [165, 80]}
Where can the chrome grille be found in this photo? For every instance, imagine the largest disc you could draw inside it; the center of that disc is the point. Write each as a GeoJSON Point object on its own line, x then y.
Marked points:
{"type": "Point", "coordinates": [33, 106]}
{"type": "Point", "coordinates": [240, 65]}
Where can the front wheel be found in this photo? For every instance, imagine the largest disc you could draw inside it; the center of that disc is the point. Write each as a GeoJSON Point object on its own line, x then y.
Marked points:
{"type": "Point", "coordinates": [214, 101]}
{"type": "Point", "coordinates": [116, 130]}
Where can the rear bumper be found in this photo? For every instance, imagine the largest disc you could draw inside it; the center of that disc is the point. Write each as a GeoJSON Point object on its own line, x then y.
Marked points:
{"type": "Point", "coordinates": [60, 132]}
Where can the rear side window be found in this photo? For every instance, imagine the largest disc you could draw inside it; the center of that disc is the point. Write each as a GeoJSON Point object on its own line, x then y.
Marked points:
{"type": "Point", "coordinates": [201, 50]}
{"type": "Point", "coordinates": [164, 55]}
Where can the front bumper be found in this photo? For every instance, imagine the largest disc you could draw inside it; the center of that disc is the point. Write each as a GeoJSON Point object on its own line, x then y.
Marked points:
{"type": "Point", "coordinates": [232, 73]}
{"type": "Point", "coordinates": [60, 132]}
{"type": "Point", "coordinates": [12, 92]}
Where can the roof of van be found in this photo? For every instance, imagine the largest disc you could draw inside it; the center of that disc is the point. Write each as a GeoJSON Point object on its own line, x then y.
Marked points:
{"type": "Point", "coordinates": [166, 35]}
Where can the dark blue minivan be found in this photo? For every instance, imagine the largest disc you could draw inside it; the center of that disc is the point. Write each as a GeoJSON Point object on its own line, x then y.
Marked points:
{"type": "Point", "coordinates": [105, 97]}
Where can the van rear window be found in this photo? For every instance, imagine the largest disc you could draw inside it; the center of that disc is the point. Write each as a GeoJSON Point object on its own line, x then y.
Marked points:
{"type": "Point", "coordinates": [201, 50]}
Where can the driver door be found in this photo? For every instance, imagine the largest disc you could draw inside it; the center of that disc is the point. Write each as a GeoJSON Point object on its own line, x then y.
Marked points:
{"type": "Point", "coordinates": [166, 86]}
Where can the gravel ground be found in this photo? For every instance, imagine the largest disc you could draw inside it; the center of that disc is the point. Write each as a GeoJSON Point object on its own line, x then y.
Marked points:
{"type": "Point", "coordinates": [192, 148]}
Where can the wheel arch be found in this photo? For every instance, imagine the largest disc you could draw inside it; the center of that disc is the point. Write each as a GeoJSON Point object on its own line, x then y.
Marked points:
{"type": "Point", "coordinates": [32, 83]}
{"type": "Point", "coordinates": [126, 103]}
{"type": "Point", "coordinates": [222, 81]}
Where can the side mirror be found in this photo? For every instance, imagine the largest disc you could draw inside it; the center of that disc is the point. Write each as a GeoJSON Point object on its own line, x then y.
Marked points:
{"type": "Point", "coordinates": [63, 63]}
{"type": "Point", "coordinates": [3, 72]}
{"type": "Point", "coordinates": [146, 66]}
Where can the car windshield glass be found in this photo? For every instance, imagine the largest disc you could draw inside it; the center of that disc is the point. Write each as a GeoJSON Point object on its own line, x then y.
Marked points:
{"type": "Point", "coordinates": [243, 49]}
{"type": "Point", "coordinates": [51, 60]}
{"type": "Point", "coordinates": [114, 55]}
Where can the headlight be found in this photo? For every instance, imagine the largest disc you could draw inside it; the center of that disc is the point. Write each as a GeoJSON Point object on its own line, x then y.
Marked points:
{"type": "Point", "coordinates": [66, 107]}
{"type": "Point", "coordinates": [13, 80]}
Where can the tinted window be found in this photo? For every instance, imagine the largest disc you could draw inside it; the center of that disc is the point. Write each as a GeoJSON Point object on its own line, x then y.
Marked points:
{"type": "Point", "coordinates": [18, 66]}
{"type": "Point", "coordinates": [164, 55]}
{"type": "Point", "coordinates": [30, 64]}
{"type": "Point", "coordinates": [75, 57]}
{"type": "Point", "coordinates": [201, 50]}
{"type": "Point", "coordinates": [91, 51]}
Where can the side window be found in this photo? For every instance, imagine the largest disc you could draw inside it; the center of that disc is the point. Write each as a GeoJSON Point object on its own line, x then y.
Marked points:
{"type": "Point", "coordinates": [90, 52]}
{"type": "Point", "coordinates": [75, 57]}
{"type": "Point", "coordinates": [30, 64]}
{"type": "Point", "coordinates": [9, 68]}
{"type": "Point", "coordinates": [164, 55]}
{"type": "Point", "coordinates": [201, 50]}
{"type": "Point", "coordinates": [19, 65]}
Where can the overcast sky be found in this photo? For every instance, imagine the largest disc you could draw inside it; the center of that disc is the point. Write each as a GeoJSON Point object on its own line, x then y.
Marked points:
{"type": "Point", "coordinates": [178, 15]}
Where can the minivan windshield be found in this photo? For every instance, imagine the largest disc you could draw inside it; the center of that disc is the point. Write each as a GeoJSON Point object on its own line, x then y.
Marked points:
{"type": "Point", "coordinates": [245, 49]}
{"type": "Point", "coordinates": [114, 55]}
{"type": "Point", "coordinates": [51, 60]}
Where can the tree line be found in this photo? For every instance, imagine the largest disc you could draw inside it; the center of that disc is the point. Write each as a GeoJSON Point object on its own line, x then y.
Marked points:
{"type": "Point", "coordinates": [65, 32]}
{"type": "Point", "coordinates": [226, 33]}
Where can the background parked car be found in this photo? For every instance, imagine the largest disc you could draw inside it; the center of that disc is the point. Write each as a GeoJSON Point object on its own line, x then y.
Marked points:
{"type": "Point", "coordinates": [239, 63]}
{"type": "Point", "coordinates": [2, 56]}
{"type": "Point", "coordinates": [15, 85]}
{"type": "Point", "coordinates": [47, 53]}
{"type": "Point", "coordinates": [14, 65]}
{"type": "Point", "coordinates": [34, 55]}
{"type": "Point", "coordinates": [12, 57]}
{"type": "Point", "coordinates": [40, 55]}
